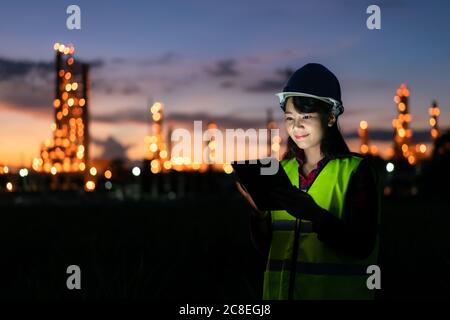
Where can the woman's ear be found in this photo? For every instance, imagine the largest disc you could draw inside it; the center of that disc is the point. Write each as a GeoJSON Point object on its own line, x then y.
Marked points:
{"type": "Point", "coordinates": [331, 120]}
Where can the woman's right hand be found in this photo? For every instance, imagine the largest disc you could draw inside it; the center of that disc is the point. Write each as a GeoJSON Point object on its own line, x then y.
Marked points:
{"type": "Point", "coordinates": [249, 199]}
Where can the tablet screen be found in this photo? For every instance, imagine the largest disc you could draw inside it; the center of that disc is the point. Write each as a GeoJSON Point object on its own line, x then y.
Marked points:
{"type": "Point", "coordinates": [258, 185]}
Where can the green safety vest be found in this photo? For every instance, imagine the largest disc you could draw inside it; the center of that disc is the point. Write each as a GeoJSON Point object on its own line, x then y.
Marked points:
{"type": "Point", "coordinates": [320, 272]}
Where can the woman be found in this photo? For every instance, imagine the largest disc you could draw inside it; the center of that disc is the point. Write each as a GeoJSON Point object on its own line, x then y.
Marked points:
{"type": "Point", "coordinates": [320, 246]}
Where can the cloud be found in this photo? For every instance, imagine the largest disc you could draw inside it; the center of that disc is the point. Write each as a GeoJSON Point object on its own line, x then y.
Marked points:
{"type": "Point", "coordinates": [112, 148]}
{"type": "Point", "coordinates": [130, 115]}
{"type": "Point", "coordinates": [172, 84]}
{"type": "Point", "coordinates": [224, 121]}
{"type": "Point", "coordinates": [28, 86]}
{"type": "Point", "coordinates": [223, 68]}
{"type": "Point", "coordinates": [367, 84]}
{"type": "Point", "coordinates": [227, 84]}
{"type": "Point", "coordinates": [141, 117]}
{"type": "Point", "coordinates": [115, 87]}
{"type": "Point", "coordinates": [164, 59]}
{"type": "Point", "coordinates": [269, 85]}
{"type": "Point", "coordinates": [10, 69]}
{"type": "Point", "coordinates": [267, 58]}
{"type": "Point", "coordinates": [32, 92]}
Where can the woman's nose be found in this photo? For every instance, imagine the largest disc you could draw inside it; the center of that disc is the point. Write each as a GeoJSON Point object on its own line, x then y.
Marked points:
{"type": "Point", "coordinates": [299, 124]}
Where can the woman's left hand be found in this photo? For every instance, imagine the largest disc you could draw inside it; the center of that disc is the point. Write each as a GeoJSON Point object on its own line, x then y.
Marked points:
{"type": "Point", "coordinates": [298, 203]}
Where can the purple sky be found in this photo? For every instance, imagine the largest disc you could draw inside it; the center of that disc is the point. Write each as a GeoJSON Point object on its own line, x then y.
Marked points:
{"type": "Point", "coordinates": [219, 60]}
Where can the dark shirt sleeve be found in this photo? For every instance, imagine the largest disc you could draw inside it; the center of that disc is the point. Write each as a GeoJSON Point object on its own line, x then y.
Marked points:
{"type": "Point", "coordinates": [261, 232]}
{"type": "Point", "coordinates": [355, 235]}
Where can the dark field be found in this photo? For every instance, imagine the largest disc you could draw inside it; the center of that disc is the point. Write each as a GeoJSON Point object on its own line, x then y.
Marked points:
{"type": "Point", "coordinates": [188, 250]}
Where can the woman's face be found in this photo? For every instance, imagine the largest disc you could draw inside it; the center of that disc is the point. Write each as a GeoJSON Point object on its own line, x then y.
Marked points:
{"type": "Point", "coordinates": [304, 128]}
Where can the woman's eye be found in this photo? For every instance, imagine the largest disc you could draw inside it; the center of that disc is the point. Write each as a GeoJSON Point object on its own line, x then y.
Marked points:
{"type": "Point", "coordinates": [289, 119]}
{"type": "Point", "coordinates": [307, 117]}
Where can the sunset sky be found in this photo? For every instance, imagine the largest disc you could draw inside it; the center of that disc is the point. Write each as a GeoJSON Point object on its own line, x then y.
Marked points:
{"type": "Point", "coordinates": [217, 60]}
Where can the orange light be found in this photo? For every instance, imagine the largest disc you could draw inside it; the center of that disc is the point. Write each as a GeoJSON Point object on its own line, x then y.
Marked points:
{"type": "Point", "coordinates": [70, 61]}
{"type": "Point", "coordinates": [167, 165]}
{"type": "Point", "coordinates": [68, 75]}
{"type": "Point", "coordinates": [70, 102]}
{"type": "Point", "coordinates": [56, 103]}
{"type": "Point", "coordinates": [363, 125]}
{"type": "Point", "coordinates": [163, 154]}
{"type": "Point", "coordinates": [396, 99]}
{"type": "Point", "coordinates": [364, 148]}
{"type": "Point", "coordinates": [401, 132]}
{"type": "Point", "coordinates": [154, 163]}
{"type": "Point", "coordinates": [155, 170]}
{"type": "Point", "coordinates": [423, 148]}
{"type": "Point", "coordinates": [156, 107]}
{"type": "Point", "coordinates": [408, 117]}
{"type": "Point", "coordinates": [156, 116]}
{"type": "Point", "coordinates": [90, 186]}
{"type": "Point", "coordinates": [435, 112]}
{"type": "Point", "coordinates": [212, 125]}
{"type": "Point", "coordinates": [81, 102]}
{"type": "Point", "coordinates": [434, 133]}
{"type": "Point", "coordinates": [432, 122]}
{"type": "Point", "coordinates": [276, 139]}
{"type": "Point", "coordinates": [275, 147]}
{"type": "Point", "coordinates": [93, 171]}
{"type": "Point", "coordinates": [108, 174]}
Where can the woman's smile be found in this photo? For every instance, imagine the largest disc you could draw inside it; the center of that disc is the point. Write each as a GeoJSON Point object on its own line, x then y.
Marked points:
{"type": "Point", "coordinates": [300, 137]}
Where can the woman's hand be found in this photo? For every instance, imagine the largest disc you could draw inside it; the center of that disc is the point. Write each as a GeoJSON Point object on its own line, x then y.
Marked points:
{"type": "Point", "coordinates": [298, 203]}
{"type": "Point", "coordinates": [249, 199]}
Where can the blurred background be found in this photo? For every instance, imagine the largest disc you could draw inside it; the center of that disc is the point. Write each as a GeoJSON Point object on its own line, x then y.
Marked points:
{"type": "Point", "coordinates": [88, 170]}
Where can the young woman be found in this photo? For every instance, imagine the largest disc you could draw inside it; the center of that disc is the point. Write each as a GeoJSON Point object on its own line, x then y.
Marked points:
{"type": "Point", "coordinates": [320, 246]}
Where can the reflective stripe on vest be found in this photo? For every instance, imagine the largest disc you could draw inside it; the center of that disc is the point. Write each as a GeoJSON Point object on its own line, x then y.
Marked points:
{"type": "Point", "coordinates": [320, 272]}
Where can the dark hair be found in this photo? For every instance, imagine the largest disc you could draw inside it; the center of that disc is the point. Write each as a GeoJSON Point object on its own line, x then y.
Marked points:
{"type": "Point", "coordinates": [333, 144]}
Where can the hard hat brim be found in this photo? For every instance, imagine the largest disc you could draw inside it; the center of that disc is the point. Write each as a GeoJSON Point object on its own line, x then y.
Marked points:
{"type": "Point", "coordinates": [336, 107]}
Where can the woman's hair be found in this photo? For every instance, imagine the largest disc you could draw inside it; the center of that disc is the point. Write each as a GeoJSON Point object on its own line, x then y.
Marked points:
{"type": "Point", "coordinates": [333, 144]}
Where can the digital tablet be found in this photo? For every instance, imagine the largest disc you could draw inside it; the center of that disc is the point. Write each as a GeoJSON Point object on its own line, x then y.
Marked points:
{"type": "Point", "coordinates": [258, 178]}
